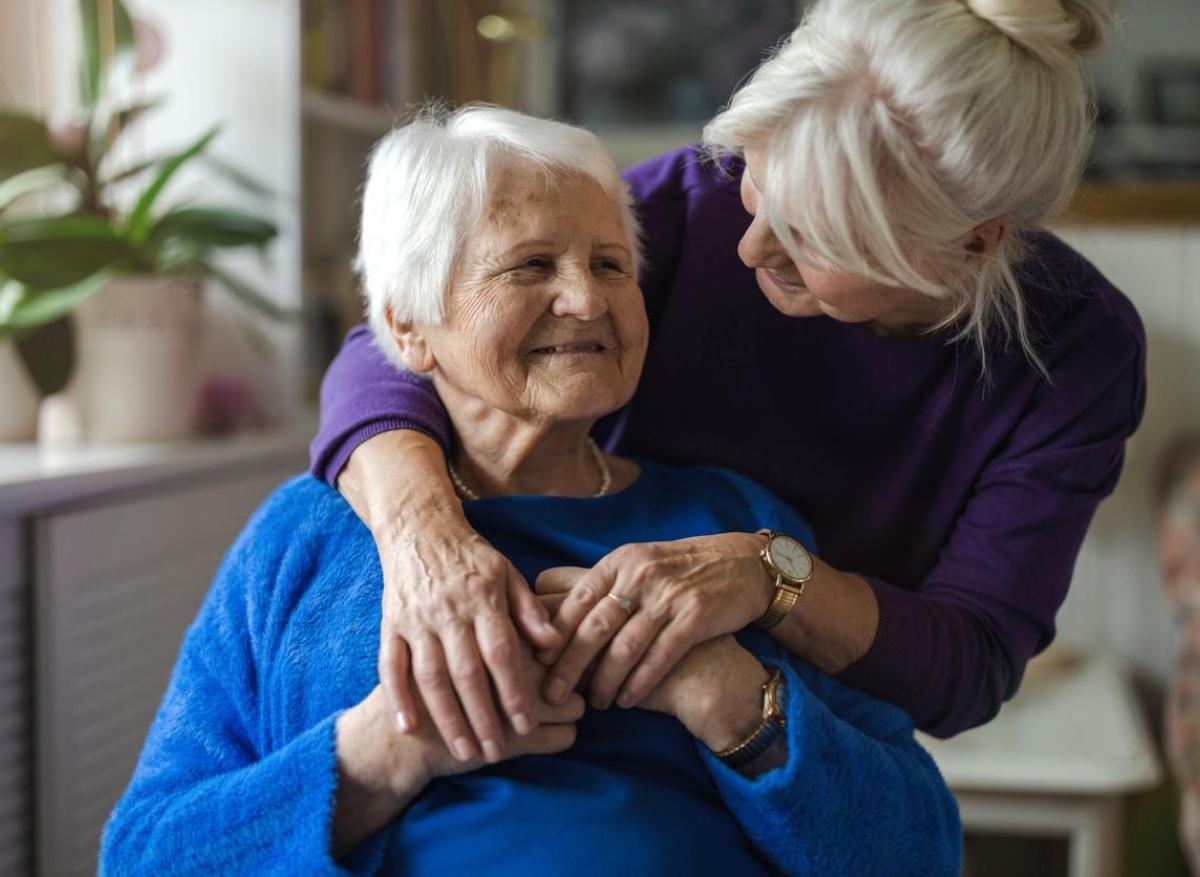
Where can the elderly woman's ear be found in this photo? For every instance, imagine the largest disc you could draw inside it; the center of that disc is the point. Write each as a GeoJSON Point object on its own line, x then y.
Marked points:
{"type": "Point", "coordinates": [412, 345]}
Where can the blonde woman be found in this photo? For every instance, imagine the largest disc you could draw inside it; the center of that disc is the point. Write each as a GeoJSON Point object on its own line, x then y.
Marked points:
{"type": "Point", "coordinates": [855, 305]}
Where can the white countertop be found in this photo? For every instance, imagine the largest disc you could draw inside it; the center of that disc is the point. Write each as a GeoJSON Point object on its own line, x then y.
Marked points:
{"type": "Point", "coordinates": [33, 476]}
{"type": "Point", "coordinates": [1072, 729]}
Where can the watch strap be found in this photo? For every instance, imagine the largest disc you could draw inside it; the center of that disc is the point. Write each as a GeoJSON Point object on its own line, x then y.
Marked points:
{"type": "Point", "coordinates": [785, 598]}
{"type": "Point", "coordinates": [768, 730]}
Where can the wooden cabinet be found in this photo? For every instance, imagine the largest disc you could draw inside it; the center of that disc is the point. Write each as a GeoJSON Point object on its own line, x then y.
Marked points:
{"type": "Point", "coordinates": [103, 564]}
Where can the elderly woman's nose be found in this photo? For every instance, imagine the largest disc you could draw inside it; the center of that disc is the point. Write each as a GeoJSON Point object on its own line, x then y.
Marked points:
{"type": "Point", "coordinates": [759, 246]}
{"type": "Point", "coordinates": [580, 296]}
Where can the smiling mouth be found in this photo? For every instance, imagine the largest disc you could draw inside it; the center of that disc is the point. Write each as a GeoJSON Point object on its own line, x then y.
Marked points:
{"type": "Point", "coordinates": [779, 280]}
{"type": "Point", "coordinates": [573, 347]}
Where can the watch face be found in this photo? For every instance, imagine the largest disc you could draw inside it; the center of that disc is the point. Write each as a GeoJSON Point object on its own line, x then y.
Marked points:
{"type": "Point", "coordinates": [791, 558]}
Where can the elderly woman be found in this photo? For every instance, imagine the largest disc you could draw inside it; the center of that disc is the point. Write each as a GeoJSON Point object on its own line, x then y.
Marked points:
{"type": "Point", "coordinates": [856, 306]}
{"type": "Point", "coordinates": [274, 750]}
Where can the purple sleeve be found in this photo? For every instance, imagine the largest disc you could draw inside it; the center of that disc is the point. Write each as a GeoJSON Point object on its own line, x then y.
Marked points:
{"type": "Point", "coordinates": [362, 395]}
{"type": "Point", "coordinates": [952, 652]}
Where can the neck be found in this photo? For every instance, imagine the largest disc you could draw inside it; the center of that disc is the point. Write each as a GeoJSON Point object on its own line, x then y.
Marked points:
{"type": "Point", "coordinates": [912, 319]}
{"type": "Point", "coordinates": [502, 455]}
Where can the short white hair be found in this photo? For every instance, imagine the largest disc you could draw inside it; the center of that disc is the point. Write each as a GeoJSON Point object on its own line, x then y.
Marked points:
{"type": "Point", "coordinates": [892, 130]}
{"type": "Point", "coordinates": [426, 188]}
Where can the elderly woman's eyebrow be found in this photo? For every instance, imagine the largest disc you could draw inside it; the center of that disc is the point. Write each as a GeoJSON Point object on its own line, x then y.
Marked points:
{"type": "Point", "coordinates": [615, 246]}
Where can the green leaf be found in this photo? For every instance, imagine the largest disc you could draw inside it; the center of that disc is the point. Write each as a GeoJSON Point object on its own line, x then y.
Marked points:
{"type": "Point", "coordinates": [212, 227]}
{"type": "Point", "coordinates": [248, 295]}
{"type": "Point", "coordinates": [20, 185]}
{"type": "Point", "coordinates": [59, 251]}
{"type": "Point", "coordinates": [95, 60]}
{"type": "Point", "coordinates": [138, 223]}
{"type": "Point", "coordinates": [24, 144]}
{"type": "Point", "coordinates": [23, 307]}
{"type": "Point", "coordinates": [239, 177]}
{"type": "Point", "coordinates": [132, 171]}
{"type": "Point", "coordinates": [106, 126]}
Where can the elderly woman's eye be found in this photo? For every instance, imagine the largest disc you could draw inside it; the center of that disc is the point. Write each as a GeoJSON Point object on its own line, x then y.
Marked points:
{"type": "Point", "coordinates": [608, 266]}
{"type": "Point", "coordinates": [537, 263]}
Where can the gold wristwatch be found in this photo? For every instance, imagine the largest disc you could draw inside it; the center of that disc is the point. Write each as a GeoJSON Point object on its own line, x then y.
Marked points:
{"type": "Point", "coordinates": [791, 565]}
{"type": "Point", "coordinates": [774, 720]}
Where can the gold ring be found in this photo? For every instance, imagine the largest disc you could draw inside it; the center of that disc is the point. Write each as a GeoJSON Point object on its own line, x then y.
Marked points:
{"type": "Point", "coordinates": [624, 602]}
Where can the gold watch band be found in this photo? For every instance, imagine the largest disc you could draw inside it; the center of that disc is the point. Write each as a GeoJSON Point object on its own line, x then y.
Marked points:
{"type": "Point", "coordinates": [768, 729]}
{"type": "Point", "coordinates": [781, 605]}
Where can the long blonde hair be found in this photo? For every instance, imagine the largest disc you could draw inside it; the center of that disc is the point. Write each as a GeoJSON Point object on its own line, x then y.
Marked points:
{"type": "Point", "coordinates": [892, 129]}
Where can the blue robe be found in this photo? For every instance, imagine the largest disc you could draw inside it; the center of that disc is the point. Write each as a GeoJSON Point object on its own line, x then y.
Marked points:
{"type": "Point", "coordinates": [238, 774]}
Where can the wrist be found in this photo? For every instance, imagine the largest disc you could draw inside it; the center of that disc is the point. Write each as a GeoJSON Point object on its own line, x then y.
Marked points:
{"type": "Point", "coordinates": [736, 711]}
{"type": "Point", "coordinates": [397, 480]}
{"type": "Point", "coordinates": [377, 776]}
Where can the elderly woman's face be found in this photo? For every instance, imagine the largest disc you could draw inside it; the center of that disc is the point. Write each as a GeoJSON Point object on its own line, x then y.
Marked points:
{"type": "Point", "coordinates": [544, 317]}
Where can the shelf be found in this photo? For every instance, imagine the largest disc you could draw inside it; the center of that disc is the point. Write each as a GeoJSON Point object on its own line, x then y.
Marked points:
{"type": "Point", "coordinates": [1134, 203]}
{"type": "Point", "coordinates": [40, 476]}
{"type": "Point", "coordinates": [345, 114]}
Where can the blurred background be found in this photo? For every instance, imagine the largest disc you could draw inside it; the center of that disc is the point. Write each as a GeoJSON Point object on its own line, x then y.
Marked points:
{"type": "Point", "coordinates": [218, 148]}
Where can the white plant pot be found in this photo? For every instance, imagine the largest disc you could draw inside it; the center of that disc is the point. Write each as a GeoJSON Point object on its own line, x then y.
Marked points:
{"type": "Point", "coordinates": [138, 359]}
{"type": "Point", "coordinates": [19, 397]}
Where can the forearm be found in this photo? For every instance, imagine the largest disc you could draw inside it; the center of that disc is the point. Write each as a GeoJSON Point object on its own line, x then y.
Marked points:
{"type": "Point", "coordinates": [949, 667]}
{"type": "Point", "coordinates": [730, 711]}
{"type": "Point", "coordinates": [187, 812]}
{"type": "Point", "coordinates": [375, 783]}
{"type": "Point", "coordinates": [834, 622]}
{"type": "Point", "coordinates": [396, 478]}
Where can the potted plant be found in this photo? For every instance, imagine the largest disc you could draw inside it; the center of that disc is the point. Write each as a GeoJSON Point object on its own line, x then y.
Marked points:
{"type": "Point", "coordinates": [129, 279]}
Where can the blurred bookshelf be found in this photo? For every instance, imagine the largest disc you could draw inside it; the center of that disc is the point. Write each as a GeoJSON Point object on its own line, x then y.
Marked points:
{"type": "Point", "coordinates": [644, 76]}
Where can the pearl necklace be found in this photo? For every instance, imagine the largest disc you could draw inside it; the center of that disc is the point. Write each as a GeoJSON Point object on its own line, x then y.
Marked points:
{"type": "Point", "coordinates": [605, 475]}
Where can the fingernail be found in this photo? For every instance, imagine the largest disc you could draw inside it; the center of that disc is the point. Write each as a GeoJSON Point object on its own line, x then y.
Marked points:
{"type": "Point", "coordinates": [462, 749]}
{"type": "Point", "coordinates": [624, 701]}
{"type": "Point", "coordinates": [491, 751]}
{"type": "Point", "coordinates": [522, 724]}
{"type": "Point", "coordinates": [597, 702]}
{"type": "Point", "coordinates": [557, 690]}
{"type": "Point", "coordinates": [403, 721]}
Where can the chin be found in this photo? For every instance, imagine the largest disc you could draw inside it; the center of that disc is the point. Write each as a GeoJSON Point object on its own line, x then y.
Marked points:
{"type": "Point", "coordinates": [789, 302]}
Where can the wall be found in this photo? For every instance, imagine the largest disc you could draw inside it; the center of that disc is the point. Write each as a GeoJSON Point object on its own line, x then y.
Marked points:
{"type": "Point", "coordinates": [234, 62]}
{"type": "Point", "coordinates": [1116, 602]}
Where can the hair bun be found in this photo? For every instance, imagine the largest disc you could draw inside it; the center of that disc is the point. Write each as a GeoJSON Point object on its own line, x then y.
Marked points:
{"type": "Point", "coordinates": [1054, 30]}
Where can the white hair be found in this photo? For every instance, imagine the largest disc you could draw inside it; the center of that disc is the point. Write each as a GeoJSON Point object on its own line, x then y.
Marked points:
{"type": "Point", "coordinates": [426, 188]}
{"type": "Point", "coordinates": [891, 130]}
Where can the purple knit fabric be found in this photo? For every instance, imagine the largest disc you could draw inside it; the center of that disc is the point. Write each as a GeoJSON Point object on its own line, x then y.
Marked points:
{"type": "Point", "coordinates": [963, 502]}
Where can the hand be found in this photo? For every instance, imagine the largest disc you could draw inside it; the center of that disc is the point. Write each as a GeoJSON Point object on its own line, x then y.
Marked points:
{"type": "Point", "coordinates": [447, 598]}
{"type": "Point", "coordinates": [683, 593]}
{"type": "Point", "coordinates": [715, 690]}
{"type": "Point", "coordinates": [380, 770]}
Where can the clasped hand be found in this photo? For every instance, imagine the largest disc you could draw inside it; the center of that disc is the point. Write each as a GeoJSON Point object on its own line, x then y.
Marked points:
{"type": "Point", "coordinates": [449, 613]}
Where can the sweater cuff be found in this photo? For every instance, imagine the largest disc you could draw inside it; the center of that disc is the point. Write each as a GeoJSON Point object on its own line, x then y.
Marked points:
{"type": "Point", "coordinates": [882, 670]}
{"type": "Point", "coordinates": [337, 461]}
{"type": "Point", "coordinates": [364, 859]}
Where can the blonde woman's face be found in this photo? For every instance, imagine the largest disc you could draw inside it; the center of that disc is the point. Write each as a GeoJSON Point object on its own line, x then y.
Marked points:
{"type": "Point", "coordinates": [800, 290]}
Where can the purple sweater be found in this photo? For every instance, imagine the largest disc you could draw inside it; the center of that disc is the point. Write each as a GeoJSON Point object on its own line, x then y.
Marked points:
{"type": "Point", "coordinates": [962, 502]}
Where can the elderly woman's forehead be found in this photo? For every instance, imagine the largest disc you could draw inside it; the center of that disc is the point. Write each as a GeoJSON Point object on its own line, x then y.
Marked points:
{"type": "Point", "coordinates": [530, 193]}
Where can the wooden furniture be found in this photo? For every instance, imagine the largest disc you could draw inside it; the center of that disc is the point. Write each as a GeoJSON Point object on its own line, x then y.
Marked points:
{"type": "Point", "coordinates": [1060, 759]}
{"type": "Point", "coordinates": [105, 555]}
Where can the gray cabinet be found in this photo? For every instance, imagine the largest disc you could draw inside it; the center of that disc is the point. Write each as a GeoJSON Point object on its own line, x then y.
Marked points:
{"type": "Point", "coordinates": [102, 568]}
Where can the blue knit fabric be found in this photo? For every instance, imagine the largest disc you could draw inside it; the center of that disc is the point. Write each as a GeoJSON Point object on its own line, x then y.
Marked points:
{"type": "Point", "coordinates": [238, 773]}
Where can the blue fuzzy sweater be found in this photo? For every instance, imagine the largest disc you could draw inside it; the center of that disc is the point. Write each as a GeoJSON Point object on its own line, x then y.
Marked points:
{"type": "Point", "coordinates": [238, 774]}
